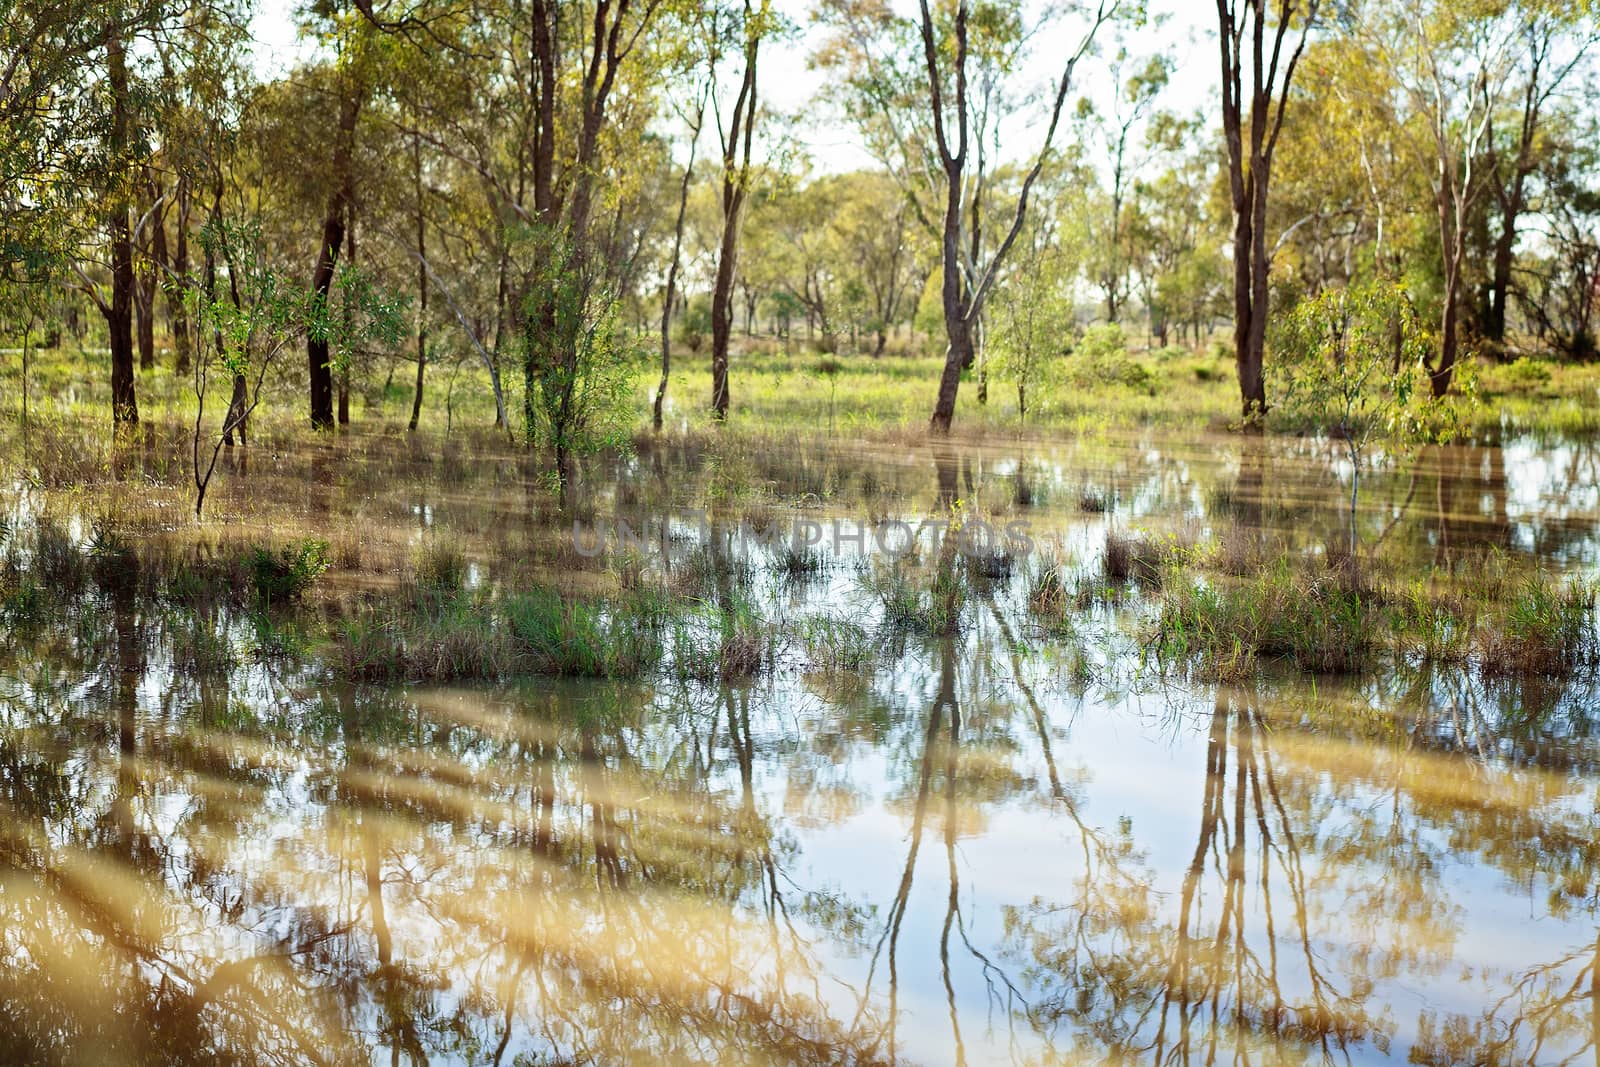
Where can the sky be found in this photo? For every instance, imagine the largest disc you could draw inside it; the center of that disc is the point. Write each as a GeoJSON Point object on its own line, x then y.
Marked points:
{"type": "Point", "coordinates": [1182, 29]}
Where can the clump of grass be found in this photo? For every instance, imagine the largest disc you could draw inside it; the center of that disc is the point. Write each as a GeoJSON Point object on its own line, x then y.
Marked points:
{"type": "Point", "coordinates": [23, 602]}
{"type": "Point", "coordinates": [836, 646]}
{"type": "Point", "coordinates": [1430, 628]}
{"type": "Point", "coordinates": [580, 639]}
{"type": "Point", "coordinates": [276, 637]}
{"type": "Point", "coordinates": [909, 606]}
{"type": "Point", "coordinates": [1318, 622]}
{"type": "Point", "coordinates": [285, 575]}
{"type": "Point", "coordinates": [1047, 592]}
{"type": "Point", "coordinates": [991, 566]}
{"type": "Point", "coordinates": [439, 565]}
{"type": "Point", "coordinates": [1141, 557]}
{"type": "Point", "coordinates": [111, 558]}
{"type": "Point", "coordinates": [728, 645]}
{"type": "Point", "coordinates": [745, 648]}
{"type": "Point", "coordinates": [710, 575]}
{"type": "Point", "coordinates": [1237, 553]}
{"type": "Point", "coordinates": [1093, 500]}
{"type": "Point", "coordinates": [1547, 631]}
{"type": "Point", "coordinates": [799, 563]}
{"type": "Point", "coordinates": [58, 563]}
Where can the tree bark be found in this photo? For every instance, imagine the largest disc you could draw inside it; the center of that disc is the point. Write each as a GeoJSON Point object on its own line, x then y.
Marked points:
{"type": "Point", "coordinates": [333, 228]}
{"type": "Point", "coordinates": [119, 313]}
{"type": "Point", "coordinates": [344, 366]}
{"type": "Point", "coordinates": [671, 293]}
{"type": "Point", "coordinates": [735, 180]}
{"type": "Point", "coordinates": [1250, 168]}
{"type": "Point", "coordinates": [422, 283]}
{"type": "Point", "coordinates": [181, 341]}
{"type": "Point", "coordinates": [153, 257]}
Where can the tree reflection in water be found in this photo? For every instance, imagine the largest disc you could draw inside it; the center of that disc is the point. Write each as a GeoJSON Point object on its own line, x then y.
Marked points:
{"type": "Point", "coordinates": [972, 856]}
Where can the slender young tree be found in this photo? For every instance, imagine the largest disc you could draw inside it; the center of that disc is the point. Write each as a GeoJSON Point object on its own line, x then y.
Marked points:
{"type": "Point", "coordinates": [422, 281]}
{"type": "Point", "coordinates": [694, 119]}
{"type": "Point", "coordinates": [737, 136]}
{"type": "Point", "coordinates": [319, 366]}
{"type": "Point", "coordinates": [963, 288]}
{"type": "Point", "coordinates": [118, 311]}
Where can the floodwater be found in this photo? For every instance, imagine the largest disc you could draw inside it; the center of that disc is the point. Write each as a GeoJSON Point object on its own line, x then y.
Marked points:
{"type": "Point", "coordinates": [999, 846]}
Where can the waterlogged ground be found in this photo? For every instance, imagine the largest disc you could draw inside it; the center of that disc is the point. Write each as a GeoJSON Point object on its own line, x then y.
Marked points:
{"type": "Point", "coordinates": [999, 846]}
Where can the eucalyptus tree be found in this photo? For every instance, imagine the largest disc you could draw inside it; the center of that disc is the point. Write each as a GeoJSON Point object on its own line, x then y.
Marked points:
{"type": "Point", "coordinates": [1554, 44]}
{"type": "Point", "coordinates": [736, 125]}
{"type": "Point", "coordinates": [929, 94]}
{"type": "Point", "coordinates": [1449, 65]}
{"type": "Point", "coordinates": [1138, 84]}
{"type": "Point", "coordinates": [1267, 38]}
{"type": "Point", "coordinates": [692, 111]}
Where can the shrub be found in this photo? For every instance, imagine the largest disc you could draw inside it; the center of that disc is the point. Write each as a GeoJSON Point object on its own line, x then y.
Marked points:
{"type": "Point", "coordinates": [1101, 356]}
{"type": "Point", "coordinates": [1527, 373]}
{"type": "Point", "coordinates": [285, 575]}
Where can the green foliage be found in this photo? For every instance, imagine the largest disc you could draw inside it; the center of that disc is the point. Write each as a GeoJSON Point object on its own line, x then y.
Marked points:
{"type": "Point", "coordinates": [1101, 356]}
{"type": "Point", "coordinates": [285, 575]}
{"type": "Point", "coordinates": [1526, 373]}
{"type": "Point", "coordinates": [579, 639]}
{"type": "Point", "coordinates": [694, 325]}
{"type": "Point", "coordinates": [578, 369]}
{"type": "Point", "coordinates": [1351, 363]}
{"type": "Point", "coordinates": [836, 646]}
{"type": "Point", "coordinates": [439, 565]}
{"type": "Point", "coordinates": [1316, 621]}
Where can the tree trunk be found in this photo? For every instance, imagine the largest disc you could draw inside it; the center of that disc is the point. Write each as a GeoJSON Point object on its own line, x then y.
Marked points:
{"type": "Point", "coordinates": [422, 283]}
{"type": "Point", "coordinates": [671, 293]}
{"type": "Point", "coordinates": [152, 269]}
{"type": "Point", "coordinates": [119, 314]}
{"type": "Point", "coordinates": [181, 341]}
{"type": "Point", "coordinates": [1494, 323]}
{"type": "Point", "coordinates": [721, 318]}
{"type": "Point", "coordinates": [1255, 403]}
{"type": "Point", "coordinates": [333, 227]}
{"type": "Point", "coordinates": [735, 178]}
{"type": "Point", "coordinates": [959, 354]}
{"type": "Point", "coordinates": [344, 365]}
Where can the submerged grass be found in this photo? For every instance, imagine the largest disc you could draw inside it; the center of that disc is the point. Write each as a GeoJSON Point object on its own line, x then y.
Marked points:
{"type": "Point", "coordinates": [1325, 617]}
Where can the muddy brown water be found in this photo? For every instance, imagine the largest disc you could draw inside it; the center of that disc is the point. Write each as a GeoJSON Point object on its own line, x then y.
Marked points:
{"type": "Point", "coordinates": [1000, 846]}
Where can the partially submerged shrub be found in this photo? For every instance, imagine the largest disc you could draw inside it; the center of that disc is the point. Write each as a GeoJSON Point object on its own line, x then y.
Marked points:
{"type": "Point", "coordinates": [285, 575]}
{"type": "Point", "coordinates": [1142, 557]}
{"type": "Point", "coordinates": [1093, 500]}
